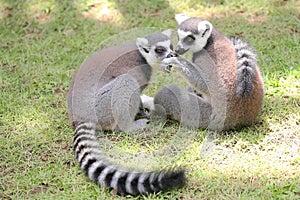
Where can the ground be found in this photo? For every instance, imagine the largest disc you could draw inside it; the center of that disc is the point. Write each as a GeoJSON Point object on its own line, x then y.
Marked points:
{"type": "Point", "coordinates": [42, 45]}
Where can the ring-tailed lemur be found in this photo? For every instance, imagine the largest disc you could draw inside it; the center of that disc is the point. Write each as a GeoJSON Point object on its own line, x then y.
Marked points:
{"type": "Point", "coordinates": [104, 95]}
{"type": "Point", "coordinates": [224, 74]}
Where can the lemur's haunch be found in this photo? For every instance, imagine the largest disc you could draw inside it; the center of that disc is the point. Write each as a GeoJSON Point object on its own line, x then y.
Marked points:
{"type": "Point", "coordinates": [225, 77]}
{"type": "Point", "coordinates": [105, 95]}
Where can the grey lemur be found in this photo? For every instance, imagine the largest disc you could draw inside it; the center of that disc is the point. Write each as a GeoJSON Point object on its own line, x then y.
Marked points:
{"type": "Point", "coordinates": [227, 87]}
{"type": "Point", "coordinates": [105, 95]}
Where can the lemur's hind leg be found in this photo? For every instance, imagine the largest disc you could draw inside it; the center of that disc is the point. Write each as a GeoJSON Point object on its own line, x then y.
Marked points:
{"type": "Point", "coordinates": [117, 104]}
{"type": "Point", "coordinates": [187, 107]}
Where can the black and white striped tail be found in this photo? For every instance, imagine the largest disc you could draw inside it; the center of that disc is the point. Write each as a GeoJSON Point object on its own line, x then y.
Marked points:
{"type": "Point", "coordinates": [246, 66]}
{"type": "Point", "coordinates": [123, 181]}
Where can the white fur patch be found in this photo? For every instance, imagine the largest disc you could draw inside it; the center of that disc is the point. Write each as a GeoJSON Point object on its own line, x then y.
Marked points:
{"type": "Point", "coordinates": [148, 102]}
{"type": "Point", "coordinates": [181, 17]}
{"type": "Point", "coordinates": [167, 32]}
{"type": "Point", "coordinates": [182, 34]}
{"type": "Point", "coordinates": [199, 43]}
{"type": "Point", "coordinates": [165, 43]}
{"type": "Point", "coordinates": [141, 42]}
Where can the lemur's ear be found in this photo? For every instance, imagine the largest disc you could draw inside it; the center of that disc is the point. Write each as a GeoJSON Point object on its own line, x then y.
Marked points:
{"type": "Point", "coordinates": [167, 32]}
{"type": "Point", "coordinates": [181, 17]}
{"type": "Point", "coordinates": [205, 28]}
{"type": "Point", "coordinates": [142, 44]}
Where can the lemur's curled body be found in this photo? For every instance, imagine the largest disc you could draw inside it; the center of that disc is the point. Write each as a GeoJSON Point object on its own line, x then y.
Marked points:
{"type": "Point", "coordinates": [224, 74]}
{"type": "Point", "coordinates": [105, 95]}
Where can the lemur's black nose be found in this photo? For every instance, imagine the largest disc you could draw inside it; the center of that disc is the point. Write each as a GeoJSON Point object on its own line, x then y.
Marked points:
{"type": "Point", "coordinates": [172, 54]}
{"type": "Point", "coordinates": [180, 50]}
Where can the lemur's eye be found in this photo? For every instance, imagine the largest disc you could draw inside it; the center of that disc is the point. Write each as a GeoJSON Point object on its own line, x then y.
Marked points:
{"type": "Point", "coordinates": [190, 39]}
{"type": "Point", "coordinates": [160, 50]}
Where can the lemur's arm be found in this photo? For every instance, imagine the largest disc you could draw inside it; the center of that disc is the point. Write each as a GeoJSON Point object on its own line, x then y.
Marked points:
{"type": "Point", "coordinates": [189, 70]}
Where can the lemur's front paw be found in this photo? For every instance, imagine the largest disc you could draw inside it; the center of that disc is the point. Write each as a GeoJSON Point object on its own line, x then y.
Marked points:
{"type": "Point", "coordinates": [168, 68]}
{"type": "Point", "coordinates": [168, 63]}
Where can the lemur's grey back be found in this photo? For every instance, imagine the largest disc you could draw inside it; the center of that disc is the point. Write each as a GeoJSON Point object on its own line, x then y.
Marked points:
{"type": "Point", "coordinates": [105, 95]}
{"type": "Point", "coordinates": [99, 69]}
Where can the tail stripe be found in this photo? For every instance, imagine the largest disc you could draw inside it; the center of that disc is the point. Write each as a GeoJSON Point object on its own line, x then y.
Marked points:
{"type": "Point", "coordinates": [85, 167]}
{"type": "Point", "coordinates": [161, 174]}
{"type": "Point", "coordinates": [82, 132]}
{"type": "Point", "coordinates": [121, 184]}
{"type": "Point", "coordinates": [81, 138]}
{"type": "Point", "coordinates": [88, 154]}
{"type": "Point", "coordinates": [154, 180]}
{"type": "Point", "coordinates": [129, 183]}
{"type": "Point", "coordinates": [246, 66]}
{"type": "Point", "coordinates": [87, 126]}
{"type": "Point", "coordinates": [118, 181]}
{"type": "Point", "coordinates": [141, 181]}
{"type": "Point", "coordinates": [96, 169]}
{"type": "Point", "coordinates": [245, 53]}
{"type": "Point", "coordinates": [85, 145]}
{"type": "Point", "coordinates": [106, 175]}
{"type": "Point", "coordinates": [109, 177]}
{"type": "Point", "coordinates": [245, 62]}
{"type": "Point", "coordinates": [146, 183]}
{"type": "Point", "coordinates": [95, 166]}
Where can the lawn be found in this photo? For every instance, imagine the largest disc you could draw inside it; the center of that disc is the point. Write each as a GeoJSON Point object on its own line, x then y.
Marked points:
{"type": "Point", "coordinates": [43, 43]}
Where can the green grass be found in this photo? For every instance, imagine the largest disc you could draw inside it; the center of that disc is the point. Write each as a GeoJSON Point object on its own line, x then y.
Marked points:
{"type": "Point", "coordinates": [42, 44]}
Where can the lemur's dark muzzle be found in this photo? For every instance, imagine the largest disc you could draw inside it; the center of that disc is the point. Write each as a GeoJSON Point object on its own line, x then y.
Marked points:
{"type": "Point", "coordinates": [180, 50]}
{"type": "Point", "coordinates": [172, 54]}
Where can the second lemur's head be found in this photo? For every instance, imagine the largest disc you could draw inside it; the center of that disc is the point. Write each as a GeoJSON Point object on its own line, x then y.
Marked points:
{"type": "Point", "coordinates": [154, 48]}
{"type": "Point", "coordinates": [192, 33]}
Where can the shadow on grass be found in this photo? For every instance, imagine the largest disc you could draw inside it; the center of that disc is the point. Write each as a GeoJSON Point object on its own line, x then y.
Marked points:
{"type": "Point", "coordinates": [275, 35]}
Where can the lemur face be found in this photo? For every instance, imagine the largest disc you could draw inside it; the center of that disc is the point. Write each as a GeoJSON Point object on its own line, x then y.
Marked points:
{"type": "Point", "coordinates": [192, 33]}
{"type": "Point", "coordinates": [156, 47]}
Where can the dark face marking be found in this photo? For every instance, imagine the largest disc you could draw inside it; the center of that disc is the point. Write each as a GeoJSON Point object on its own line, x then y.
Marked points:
{"type": "Point", "coordinates": [172, 54]}
{"type": "Point", "coordinates": [180, 50]}
{"type": "Point", "coordinates": [160, 50]}
{"type": "Point", "coordinates": [146, 50]}
{"type": "Point", "coordinates": [207, 29]}
{"type": "Point", "coordinates": [189, 39]}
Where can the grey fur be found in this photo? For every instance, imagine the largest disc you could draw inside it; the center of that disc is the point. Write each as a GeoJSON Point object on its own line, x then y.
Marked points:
{"type": "Point", "coordinates": [105, 95]}
{"type": "Point", "coordinates": [224, 74]}
{"type": "Point", "coordinates": [247, 61]}
{"type": "Point", "coordinates": [190, 25]}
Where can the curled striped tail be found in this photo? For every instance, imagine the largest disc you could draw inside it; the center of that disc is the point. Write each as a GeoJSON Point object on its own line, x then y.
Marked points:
{"type": "Point", "coordinates": [246, 66]}
{"type": "Point", "coordinates": [123, 181]}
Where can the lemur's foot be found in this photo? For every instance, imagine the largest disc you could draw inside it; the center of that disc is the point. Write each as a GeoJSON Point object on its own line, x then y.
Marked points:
{"type": "Point", "coordinates": [137, 124]}
{"type": "Point", "coordinates": [148, 102]}
{"type": "Point", "coordinates": [142, 114]}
